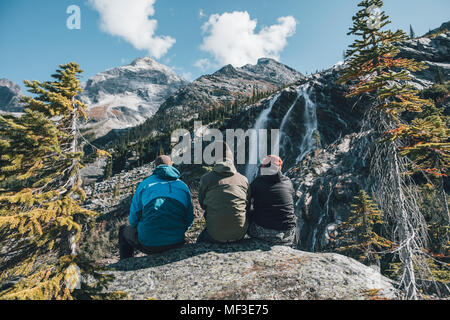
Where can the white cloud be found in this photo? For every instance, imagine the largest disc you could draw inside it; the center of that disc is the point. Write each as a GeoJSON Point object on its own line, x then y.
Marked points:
{"type": "Point", "coordinates": [204, 64]}
{"type": "Point", "coordinates": [202, 13]}
{"type": "Point", "coordinates": [130, 21]}
{"type": "Point", "coordinates": [231, 39]}
{"type": "Point", "coordinates": [187, 76]}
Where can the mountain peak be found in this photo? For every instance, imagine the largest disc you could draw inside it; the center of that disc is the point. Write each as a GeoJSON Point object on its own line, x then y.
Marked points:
{"type": "Point", "coordinates": [273, 70]}
{"type": "Point", "coordinates": [444, 27]}
{"type": "Point", "coordinates": [10, 94]}
{"type": "Point", "coordinates": [128, 95]}
{"type": "Point", "coordinates": [267, 61]}
{"type": "Point", "coordinates": [15, 88]}
{"type": "Point", "coordinates": [144, 61]}
{"type": "Point", "coordinates": [226, 70]}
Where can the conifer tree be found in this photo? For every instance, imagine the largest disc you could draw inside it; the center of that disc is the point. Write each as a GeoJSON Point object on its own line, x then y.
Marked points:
{"type": "Point", "coordinates": [412, 34]}
{"type": "Point", "coordinates": [440, 79]}
{"type": "Point", "coordinates": [428, 145]}
{"type": "Point", "coordinates": [40, 193]}
{"type": "Point", "coordinates": [161, 150]}
{"type": "Point", "coordinates": [373, 59]}
{"type": "Point", "coordinates": [108, 169]}
{"type": "Point", "coordinates": [357, 236]}
{"type": "Point", "coordinates": [373, 67]}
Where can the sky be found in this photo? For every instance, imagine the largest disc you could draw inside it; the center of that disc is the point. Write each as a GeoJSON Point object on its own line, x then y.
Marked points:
{"type": "Point", "coordinates": [192, 37]}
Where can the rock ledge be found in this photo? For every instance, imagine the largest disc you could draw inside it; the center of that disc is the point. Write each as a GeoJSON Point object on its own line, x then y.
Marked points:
{"type": "Point", "coordinates": [250, 270]}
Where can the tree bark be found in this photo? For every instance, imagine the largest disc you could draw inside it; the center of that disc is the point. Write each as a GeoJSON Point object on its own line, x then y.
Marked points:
{"type": "Point", "coordinates": [405, 235]}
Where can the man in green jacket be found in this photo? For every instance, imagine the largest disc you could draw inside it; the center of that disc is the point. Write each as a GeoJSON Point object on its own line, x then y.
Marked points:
{"type": "Point", "coordinates": [225, 196]}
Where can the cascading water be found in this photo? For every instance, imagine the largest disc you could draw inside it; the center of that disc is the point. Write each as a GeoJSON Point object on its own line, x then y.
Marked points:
{"type": "Point", "coordinates": [310, 123]}
{"type": "Point", "coordinates": [281, 141]}
{"type": "Point", "coordinates": [301, 91]}
{"type": "Point", "coordinates": [308, 142]}
{"type": "Point", "coordinates": [251, 170]}
{"type": "Point", "coordinates": [316, 228]}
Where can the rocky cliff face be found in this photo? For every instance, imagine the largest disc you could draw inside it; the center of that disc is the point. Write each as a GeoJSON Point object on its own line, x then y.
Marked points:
{"type": "Point", "coordinates": [309, 116]}
{"type": "Point", "coordinates": [126, 96]}
{"type": "Point", "coordinates": [326, 182]}
{"type": "Point", "coordinates": [227, 85]}
{"type": "Point", "coordinates": [324, 152]}
{"type": "Point", "coordinates": [329, 177]}
{"type": "Point", "coordinates": [9, 96]}
{"type": "Point", "coordinates": [434, 51]}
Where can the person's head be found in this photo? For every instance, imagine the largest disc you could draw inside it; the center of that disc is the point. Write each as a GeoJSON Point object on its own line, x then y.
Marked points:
{"type": "Point", "coordinates": [271, 165]}
{"type": "Point", "coordinates": [160, 160]}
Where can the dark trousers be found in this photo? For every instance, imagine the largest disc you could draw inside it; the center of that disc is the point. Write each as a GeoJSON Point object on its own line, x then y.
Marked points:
{"type": "Point", "coordinates": [128, 243]}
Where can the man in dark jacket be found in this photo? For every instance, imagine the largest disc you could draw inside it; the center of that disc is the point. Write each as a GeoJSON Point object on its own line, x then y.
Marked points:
{"type": "Point", "coordinates": [272, 218]}
{"type": "Point", "coordinates": [224, 195]}
{"type": "Point", "coordinates": [161, 212]}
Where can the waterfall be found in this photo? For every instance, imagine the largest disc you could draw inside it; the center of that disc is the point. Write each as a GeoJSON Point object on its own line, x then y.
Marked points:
{"type": "Point", "coordinates": [300, 92]}
{"type": "Point", "coordinates": [327, 205]}
{"type": "Point", "coordinates": [307, 143]}
{"type": "Point", "coordinates": [252, 168]}
{"type": "Point", "coordinates": [310, 123]}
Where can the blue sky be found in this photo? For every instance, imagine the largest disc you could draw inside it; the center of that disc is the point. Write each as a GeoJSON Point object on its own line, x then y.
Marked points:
{"type": "Point", "coordinates": [35, 40]}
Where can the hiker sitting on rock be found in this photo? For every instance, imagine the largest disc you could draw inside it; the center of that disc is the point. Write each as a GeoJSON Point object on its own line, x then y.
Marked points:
{"type": "Point", "coordinates": [272, 218]}
{"type": "Point", "coordinates": [224, 195]}
{"type": "Point", "coordinates": [161, 212]}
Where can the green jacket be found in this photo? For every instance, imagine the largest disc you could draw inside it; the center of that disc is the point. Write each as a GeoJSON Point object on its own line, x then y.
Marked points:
{"type": "Point", "coordinates": [225, 196]}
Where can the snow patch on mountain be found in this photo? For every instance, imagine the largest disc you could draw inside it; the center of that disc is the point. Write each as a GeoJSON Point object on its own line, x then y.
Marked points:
{"type": "Point", "coordinates": [128, 95]}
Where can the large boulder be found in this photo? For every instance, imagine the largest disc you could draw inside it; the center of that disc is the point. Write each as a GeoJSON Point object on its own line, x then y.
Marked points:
{"type": "Point", "coordinates": [251, 270]}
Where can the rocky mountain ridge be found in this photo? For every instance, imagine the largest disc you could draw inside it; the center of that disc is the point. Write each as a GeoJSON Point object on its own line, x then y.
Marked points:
{"type": "Point", "coordinates": [228, 85]}
{"type": "Point", "coordinates": [10, 94]}
{"type": "Point", "coordinates": [126, 96]}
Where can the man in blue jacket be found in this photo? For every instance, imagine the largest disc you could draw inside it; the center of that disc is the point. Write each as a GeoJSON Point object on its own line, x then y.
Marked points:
{"type": "Point", "coordinates": [161, 212]}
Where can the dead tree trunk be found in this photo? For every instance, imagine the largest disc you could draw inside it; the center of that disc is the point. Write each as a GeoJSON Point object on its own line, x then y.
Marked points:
{"type": "Point", "coordinates": [397, 196]}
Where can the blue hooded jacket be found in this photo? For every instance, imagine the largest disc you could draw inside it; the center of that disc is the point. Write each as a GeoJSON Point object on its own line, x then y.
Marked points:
{"type": "Point", "coordinates": [161, 208]}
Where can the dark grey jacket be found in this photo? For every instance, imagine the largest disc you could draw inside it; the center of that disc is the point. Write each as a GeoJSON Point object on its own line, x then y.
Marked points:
{"type": "Point", "coordinates": [273, 202]}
